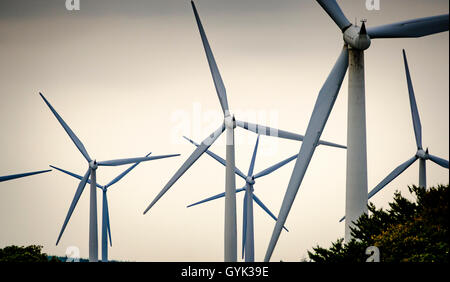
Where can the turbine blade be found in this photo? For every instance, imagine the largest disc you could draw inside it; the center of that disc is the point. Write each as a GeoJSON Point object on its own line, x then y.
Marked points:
{"type": "Point", "coordinates": [20, 175]}
{"type": "Point", "coordinates": [396, 172]}
{"type": "Point", "coordinates": [391, 176]}
{"type": "Point", "coordinates": [439, 161]}
{"type": "Point", "coordinates": [330, 144]}
{"type": "Point", "coordinates": [218, 83]}
{"type": "Point", "coordinates": [244, 223]}
{"type": "Point", "coordinates": [322, 108]}
{"type": "Point", "coordinates": [411, 28]}
{"type": "Point", "coordinates": [270, 131]}
{"type": "Point", "coordinates": [218, 158]}
{"type": "Point", "coordinates": [252, 163]}
{"type": "Point", "coordinates": [134, 160]}
{"type": "Point", "coordinates": [275, 166]}
{"type": "Point", "coordinates": [261, 204]}
{"type": "Point", "coordinates": [218, 196]}
{"type": "Point", "coordinates": [120, 176]}
{"type": "Point", "coordinates": [412, 102]}
{"type": "Point", "coordinates": [335, 12]}
{"type": "Point", "coordinates": [74, 175]}
{"type": "Point", "coordinates": [187, 164]}
{"type": "Point", "coordinates": [69, 131]}
{"type": "Point", "coordinates": [74, 202]}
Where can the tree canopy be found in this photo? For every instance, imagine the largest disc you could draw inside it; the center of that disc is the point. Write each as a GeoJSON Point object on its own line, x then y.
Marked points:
{"type": "Point", "coordinates": [32, 253]}
{"type": "Point", "coordinates": [406, 232]}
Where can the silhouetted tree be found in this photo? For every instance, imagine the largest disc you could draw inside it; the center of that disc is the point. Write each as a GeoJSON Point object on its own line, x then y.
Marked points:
{"type": "Point", "coordinates": [406, 232]}
{"type": "Point", "coordinates": [24, 254]}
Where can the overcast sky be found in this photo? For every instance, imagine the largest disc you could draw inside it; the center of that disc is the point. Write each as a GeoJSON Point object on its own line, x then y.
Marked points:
{"type": "Point", "coordinates": [131, 77]}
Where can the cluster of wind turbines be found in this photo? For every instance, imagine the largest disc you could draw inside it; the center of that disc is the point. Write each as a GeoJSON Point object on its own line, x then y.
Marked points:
{"type": "Point", "coordinates": [356, 40]}
{"type": "Point", "coordinates": [91, 178]}
{"type": "Point", "coordinates": [91, 171]}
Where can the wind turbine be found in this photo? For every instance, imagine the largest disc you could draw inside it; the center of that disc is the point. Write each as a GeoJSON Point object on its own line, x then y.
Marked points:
{"type": "Point", "coordinates": [91, 171]}
{"type": "Point", "coordinates": [106, 229]}
{"type": "Point", "coordinates": [229, 124]}
{"type": "Point", "coordinates": [20, 175]}
{"type": "Point", "coordinates": [420, 154]}
{"type": "Point", "coordinates": [356, 40]}
{"type": "Point", "coordinates": [248, 247]}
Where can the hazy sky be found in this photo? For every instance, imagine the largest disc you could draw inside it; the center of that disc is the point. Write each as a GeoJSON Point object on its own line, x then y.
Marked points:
{"type": "Point", "coordinates": [131, 77]}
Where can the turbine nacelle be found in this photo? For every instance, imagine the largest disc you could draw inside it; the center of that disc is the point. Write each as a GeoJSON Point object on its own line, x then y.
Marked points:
{"type": "Point", "coordinates": [250, 180]}
{"type": "Point", "coordinates": [356, 37]}
{"type": "Point", "coordinates": [230, 121]}
{"type": "Point", "coordinates": [422, 154]}
{"type": "Point", "coordinates": [93, 164]}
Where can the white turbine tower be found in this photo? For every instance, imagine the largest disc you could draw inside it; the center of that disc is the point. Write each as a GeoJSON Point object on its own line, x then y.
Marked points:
{"type": "Point", "coordinates": [356, 40]}
{"type": "Point", "coordinates": [248, 247]}
{"type": "Point", "coordinates": [106, 228]}
{"type": "Point", "coordinates": [91, 171]}
{"type": "Point", "coordinates": [20, 175]}
{"type": "Point", "coordinates": [229, 123]}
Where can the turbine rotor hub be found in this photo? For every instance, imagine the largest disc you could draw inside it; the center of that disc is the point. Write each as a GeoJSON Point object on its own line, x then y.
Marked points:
{"type": "Point", "coordinates": [93, 164]}
{"type": "Point", "coordinates": [250, 180]}
{"type": "Point", "coordinates": [230, 121]}
{"type": "Point", "coordinates": [421, 154]}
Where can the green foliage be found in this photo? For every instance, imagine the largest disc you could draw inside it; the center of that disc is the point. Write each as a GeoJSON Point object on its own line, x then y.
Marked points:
{"type": "Point", "coordinates": [24, 254]}
{"type": "Point", "coordinates": [406, 232]}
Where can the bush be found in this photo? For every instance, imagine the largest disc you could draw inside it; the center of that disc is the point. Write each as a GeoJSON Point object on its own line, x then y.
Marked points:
{"type": "Point", "coordinates": [407, 232]}
{"type": "Point", "coordinates": [24, 254]}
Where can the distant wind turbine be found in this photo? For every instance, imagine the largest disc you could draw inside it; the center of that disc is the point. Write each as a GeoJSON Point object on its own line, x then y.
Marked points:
{"type": "Point", "coordinates": [229, 123]}
{"type": "Point", "coordinates": [106, 229]}
{"type": "Point", "coordinates": [248, 247]}
{"type": "Point", "coordinates": [421, 155]}
{"type": "Point", "coordinates": [91, 171]}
